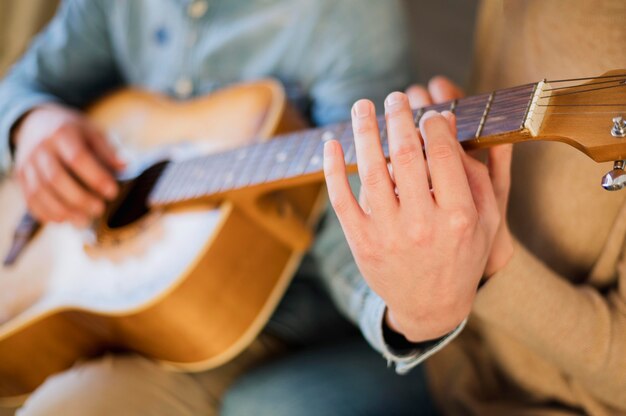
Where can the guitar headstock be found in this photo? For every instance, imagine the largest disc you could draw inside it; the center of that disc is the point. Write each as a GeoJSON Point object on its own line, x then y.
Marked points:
{"type": "Point", "coordinates": [586, 114]}
{"type": "Point", "coordinates": [589, 114]}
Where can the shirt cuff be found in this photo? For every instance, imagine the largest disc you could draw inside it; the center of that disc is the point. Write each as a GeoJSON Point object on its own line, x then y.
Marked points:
{"type": "Point", "coordinates": [8, 120]}
{"type": "Point", "coordinates": [372, 328]}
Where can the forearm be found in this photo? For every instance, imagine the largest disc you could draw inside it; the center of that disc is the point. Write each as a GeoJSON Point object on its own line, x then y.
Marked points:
{"type": "Point", "coordinates": [577, 328]}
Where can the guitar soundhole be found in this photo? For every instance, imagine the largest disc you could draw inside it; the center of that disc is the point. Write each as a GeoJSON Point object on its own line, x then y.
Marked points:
{"type": "Point", "coordinates": [133, 205]}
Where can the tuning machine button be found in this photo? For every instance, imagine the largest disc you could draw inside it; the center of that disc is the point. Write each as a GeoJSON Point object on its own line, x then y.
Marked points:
{"type": "Point", "coordinates": [619, 127]}
{"type": "Point", "coordinates": [615, 179]}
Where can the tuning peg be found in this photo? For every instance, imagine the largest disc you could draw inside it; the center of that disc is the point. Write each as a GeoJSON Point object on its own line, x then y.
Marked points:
{"type": "Point", "coordinates": [619, 127]}
{"type": "Point", "coordinates": [615, 179]}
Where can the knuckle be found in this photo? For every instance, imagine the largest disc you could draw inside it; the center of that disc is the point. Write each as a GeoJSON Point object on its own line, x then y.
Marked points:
{"type": "Point", "coordinates": [482, 170]}
{"type": "Point", "coordinates": [339, 203]}
{"type": "Point", "coordinates": [51, 174]}
{"type": "Point", "coordinates": [364, 127]}
{"type": "Point", "coordinates": [30, 198]}
{"type": "Point", "coordinates": [405, 154]}
{"type": "Point", "coordinates": [419, 235]}
{"type": "Point", "coordinates": [369, 253]}
{"type": "Point", "coordinates": [374, 176]}
{"type": "Point", "coordinates": [462, 220]}
{"type": "Point", "coordinates": [77, 156]}
{"type": "Point", "coordinates": [441, 151]}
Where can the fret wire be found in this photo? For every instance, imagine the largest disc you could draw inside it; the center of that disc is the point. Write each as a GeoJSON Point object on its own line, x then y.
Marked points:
{"type": "Point", "coordinates": [484, 117]}
{"type": "Point", "coordinates": [453, 105]}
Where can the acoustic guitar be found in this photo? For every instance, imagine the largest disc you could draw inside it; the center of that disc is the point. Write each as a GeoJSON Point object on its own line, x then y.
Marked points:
{"type": "Point", "coordinates": [189, 262]}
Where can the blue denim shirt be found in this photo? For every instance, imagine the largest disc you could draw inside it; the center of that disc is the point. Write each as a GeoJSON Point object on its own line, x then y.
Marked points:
{"type": "Point", "coordinates": [328, 53]}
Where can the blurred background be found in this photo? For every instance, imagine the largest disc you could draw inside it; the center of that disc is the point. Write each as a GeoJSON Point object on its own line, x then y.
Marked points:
{"type": "Point", "coordinates": [442, 33]}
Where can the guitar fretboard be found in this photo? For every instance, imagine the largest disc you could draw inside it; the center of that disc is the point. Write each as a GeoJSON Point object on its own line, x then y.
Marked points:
{"type": "Point", "coordinates": [301, 153]}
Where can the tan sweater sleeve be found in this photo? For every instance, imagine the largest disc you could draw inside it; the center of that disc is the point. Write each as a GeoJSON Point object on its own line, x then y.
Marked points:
{"type": "Point", "coordinates": [579, 329]}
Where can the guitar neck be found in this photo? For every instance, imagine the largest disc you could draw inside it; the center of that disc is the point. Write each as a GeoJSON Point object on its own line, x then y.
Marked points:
{"type": "Point", "coordinates": [482, 120]}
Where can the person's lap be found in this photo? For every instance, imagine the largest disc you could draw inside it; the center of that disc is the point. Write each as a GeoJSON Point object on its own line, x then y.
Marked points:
{"type": "Point", "coordinates": [342, 380]}
{"type": "Point", "coordinates": [133, 385]}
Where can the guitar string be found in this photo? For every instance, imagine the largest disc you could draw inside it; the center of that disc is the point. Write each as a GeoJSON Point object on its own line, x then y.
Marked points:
{"type": "Point", "coordinates": [585, 85]}
{"type": "Point", "coordinates": [574, 113]}
{"type": "Point", "coordinates": [554, 81]}
{"type": "Point", "coordinates": [583, 105]}
{"type": "Point", "coordinates": [621, 84]}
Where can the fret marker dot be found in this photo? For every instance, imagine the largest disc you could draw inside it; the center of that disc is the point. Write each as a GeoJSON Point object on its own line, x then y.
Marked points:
{"type": "Point", "coordinates": [241, 155]}
{"type": "Point", "coordinates": [281, 157]}
{"type": "Point", "coordinates": [316, 160]}
{"type": "Point", "coordinates": [229, 177]}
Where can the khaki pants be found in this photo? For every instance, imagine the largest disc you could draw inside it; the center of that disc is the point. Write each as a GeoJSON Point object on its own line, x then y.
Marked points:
{"type": "Point", "coordinates": [132, 385]}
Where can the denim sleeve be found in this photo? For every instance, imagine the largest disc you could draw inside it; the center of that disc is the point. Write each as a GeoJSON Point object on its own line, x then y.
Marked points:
{"type": "Point", "coordinates": [354, 298]}
{"type": "Point", "coordinates": [363, 53]}
{"type": "Point", "coordinates": [69, 62]}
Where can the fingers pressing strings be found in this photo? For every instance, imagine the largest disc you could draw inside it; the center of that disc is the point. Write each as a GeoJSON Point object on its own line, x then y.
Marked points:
{"type": "Point", "coordinates": [373, 172]}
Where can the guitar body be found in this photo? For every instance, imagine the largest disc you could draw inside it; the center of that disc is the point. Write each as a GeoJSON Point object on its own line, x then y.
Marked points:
{"type": "Point", "coordinates": [190, 286]}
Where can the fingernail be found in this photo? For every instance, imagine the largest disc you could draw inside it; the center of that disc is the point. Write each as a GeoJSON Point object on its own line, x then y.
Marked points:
{"type": "Point", "coordinates": [394, 99]}
{"type": "Point", "coordinates": [362, 108]}
{"type": "Point", "coordinates": [430, 114]}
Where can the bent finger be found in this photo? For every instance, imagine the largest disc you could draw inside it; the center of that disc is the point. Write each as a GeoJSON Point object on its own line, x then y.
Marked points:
{"type": "Point", "coordinates": [82, 162]}
{"type": "Point", "coordinates": [441, 89]}
{"type": "Point", "coordinates": [68, 189]}
{"type": "Point", "coordinates": [419, 97]}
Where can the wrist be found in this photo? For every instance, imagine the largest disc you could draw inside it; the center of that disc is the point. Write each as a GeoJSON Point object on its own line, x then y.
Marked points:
{"type": "Point", "coordinates": [50, 116]}
{"type": "Point", "coordinates": [398, 343]}
{"type": "Point", "coordinates": [423, 328]}
{"type": "Point", "coordinates": [16, 131]}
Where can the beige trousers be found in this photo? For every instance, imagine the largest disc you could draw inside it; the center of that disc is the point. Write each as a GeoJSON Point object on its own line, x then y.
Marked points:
{"type": "Point", "coordinates": [131, 385]}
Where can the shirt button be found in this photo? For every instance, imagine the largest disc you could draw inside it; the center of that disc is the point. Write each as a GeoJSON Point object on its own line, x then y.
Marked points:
{"type": "Point", "coordinates": [197, 8]}
{"type": "Point", "coordinates": [183, 88]}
